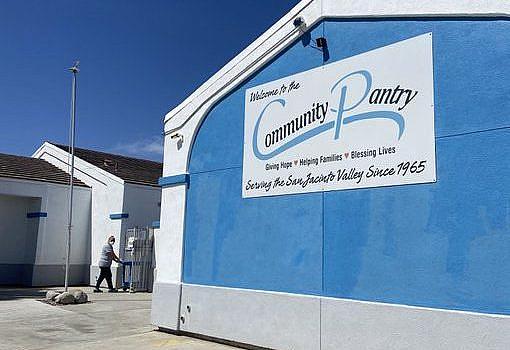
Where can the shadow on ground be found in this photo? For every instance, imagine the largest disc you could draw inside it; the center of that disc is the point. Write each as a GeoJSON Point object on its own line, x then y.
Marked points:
{"type": "Point", "coordinates": [110, 320]}
{"type": "Point", "coordinates": [12, 293]}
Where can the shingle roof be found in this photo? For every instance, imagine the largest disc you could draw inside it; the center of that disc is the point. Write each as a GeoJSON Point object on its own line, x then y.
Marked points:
{"type": "Point", "coordinates": [131, 170]}
{"type": "Point", "coordinates": [18, 167]}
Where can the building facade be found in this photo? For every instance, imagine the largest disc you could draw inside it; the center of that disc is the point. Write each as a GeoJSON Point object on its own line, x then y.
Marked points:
{"type": "Point", "coordinates": [33, 224]}
{"type": "Point", "coordinates": [124, 194]}
{"type": "Point", "coordinates": [416, 262]}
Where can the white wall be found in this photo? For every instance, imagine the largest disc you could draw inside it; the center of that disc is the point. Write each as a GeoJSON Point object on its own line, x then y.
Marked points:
{"type": "Point", "coordinates": [142, 203]}
{"type": "Point", "coordinates": [169, 238]}
{"type": "Point", "coordinates": [110, 195]}
{"type": "Point", "coordinates": [52, 231]}
{"type": "Point", "coordinates": [51, 245]}
{"type": "Point", "coordinates": [107, 198]}
{"type": "Point", "coordinates": [302, 322]}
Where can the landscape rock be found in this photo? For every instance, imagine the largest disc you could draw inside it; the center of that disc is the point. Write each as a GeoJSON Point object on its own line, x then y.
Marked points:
{"type": "Point", "coordinates": [51, 295]}
{"type": "Point", "coordinates": [80, 297]}
{"type": "Point", "coordinates": [65, 298]}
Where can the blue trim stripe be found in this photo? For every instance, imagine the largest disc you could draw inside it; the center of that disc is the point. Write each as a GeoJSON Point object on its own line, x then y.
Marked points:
{"type": "Point", "coordinates": [155, 224]}
{"type": "Point", "coordinates": [174, 180]}
{"type": "Point", "coordinates": [119, 216]}
{"type": "Point", "coordinates": [37, 214]}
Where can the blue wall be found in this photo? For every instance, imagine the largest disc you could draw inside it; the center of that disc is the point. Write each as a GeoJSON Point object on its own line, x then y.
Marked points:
{"type": "Point", "coordinates": [438, 245]}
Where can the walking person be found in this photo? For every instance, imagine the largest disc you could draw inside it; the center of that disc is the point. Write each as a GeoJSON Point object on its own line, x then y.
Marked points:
{"type": "Point", "coordinates": [105, 263]}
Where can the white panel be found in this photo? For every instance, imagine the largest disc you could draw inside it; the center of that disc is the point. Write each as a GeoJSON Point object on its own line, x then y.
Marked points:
{"type": "Point", "coordinates": [165, 305]}
{"type": "Point", "coordinates": [169, 238]}
{"type": "Point", "coordinates": [365, 121]}
{"type": "Point", "coordinates": [348, 324]}
{"type": "Point", "coordinates": [381, 8]}
{"type": "Point", "coordinates": [51, 243]}
{"type": "Point", "coordinates": [52, 231]}
{"type": "Point", "coordinates": [291, 321]}
{"type": "Point", "coordinates": [107, 198]}
{"type": "Point", "coordinates": [273, 320]}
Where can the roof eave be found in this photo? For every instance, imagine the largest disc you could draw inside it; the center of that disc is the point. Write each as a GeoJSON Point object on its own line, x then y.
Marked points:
{"type": "Point", "coordinates": [15, 177]}
{"type": "Point", "coordinates": [57, 149]}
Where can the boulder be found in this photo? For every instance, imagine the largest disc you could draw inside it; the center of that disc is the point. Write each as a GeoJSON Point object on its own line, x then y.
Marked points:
{"type": "Point", "coordinates": [80, 297]}
{"type": "Point", "coordinates": [51, 295]}
{"type": "Point", "coordinates": [65, 298]}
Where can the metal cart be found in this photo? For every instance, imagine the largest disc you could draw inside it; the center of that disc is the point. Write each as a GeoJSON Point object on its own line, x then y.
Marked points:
{"type": "Point", "coordinates": [137, 254]}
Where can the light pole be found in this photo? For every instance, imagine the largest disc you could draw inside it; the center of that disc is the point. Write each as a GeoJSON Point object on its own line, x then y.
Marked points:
{"type": "Point", "coordinates": [74, 69]}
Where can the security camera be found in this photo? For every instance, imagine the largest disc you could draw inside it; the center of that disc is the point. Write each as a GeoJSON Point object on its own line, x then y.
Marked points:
{"type": "Point", "coordinates": [179, 138]}
{"type": "Point", "coordinates": [299, 22]}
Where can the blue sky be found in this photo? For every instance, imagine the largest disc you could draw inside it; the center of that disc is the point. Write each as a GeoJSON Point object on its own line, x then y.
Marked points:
{"type": "Point", "coordinates": [139, 59]}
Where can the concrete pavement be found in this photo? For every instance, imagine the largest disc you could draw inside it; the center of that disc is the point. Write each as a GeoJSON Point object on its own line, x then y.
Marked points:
{"type": "Point", "coordinates": [119, 320]}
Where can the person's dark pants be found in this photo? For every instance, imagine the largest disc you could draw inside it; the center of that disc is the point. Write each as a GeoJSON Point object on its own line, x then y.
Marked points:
{"type": "Point", "coordinates": [106, 272]}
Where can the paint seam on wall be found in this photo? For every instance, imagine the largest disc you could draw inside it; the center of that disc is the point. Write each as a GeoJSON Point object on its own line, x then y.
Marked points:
{"type": "Point", "coordinates": [215, 170]}
{"type": "Point", "coordinates": [474, 132]}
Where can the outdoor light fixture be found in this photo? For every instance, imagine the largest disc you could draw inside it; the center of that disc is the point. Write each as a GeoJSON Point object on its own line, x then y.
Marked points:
{"type": "Point", "coordinates": [321, 42]}
{"type": "Point", "coordinates": [179, 137]}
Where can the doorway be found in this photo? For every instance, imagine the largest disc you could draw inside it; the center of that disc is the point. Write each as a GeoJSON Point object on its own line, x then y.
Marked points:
{"type": "Point", "coordinates": [18, 237]}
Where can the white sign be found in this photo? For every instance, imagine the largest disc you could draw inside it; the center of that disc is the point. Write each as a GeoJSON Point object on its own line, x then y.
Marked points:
{"type": "Point", "coordinates": [365, 121]}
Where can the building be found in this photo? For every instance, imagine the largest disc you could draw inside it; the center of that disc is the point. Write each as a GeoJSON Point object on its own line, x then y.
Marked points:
{"type": "Point", "coordinates": [33, 224]}
{"type": "Point", "coordinates": [343, 183]}
{"type": "Point", "coordinates": [124, 194]}
{"type": "Point", "coordinates": [112, 194]}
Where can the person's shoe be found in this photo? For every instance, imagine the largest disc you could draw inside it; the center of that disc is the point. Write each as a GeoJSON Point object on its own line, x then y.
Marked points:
{"type": "Point", "coordinates": [97, 290]}
{"type": "Point", "coordinates": [114, 290]}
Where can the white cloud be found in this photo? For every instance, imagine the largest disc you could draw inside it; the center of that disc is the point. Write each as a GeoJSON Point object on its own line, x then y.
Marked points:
{"type": "Point", "coordinates": [149, 148]}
